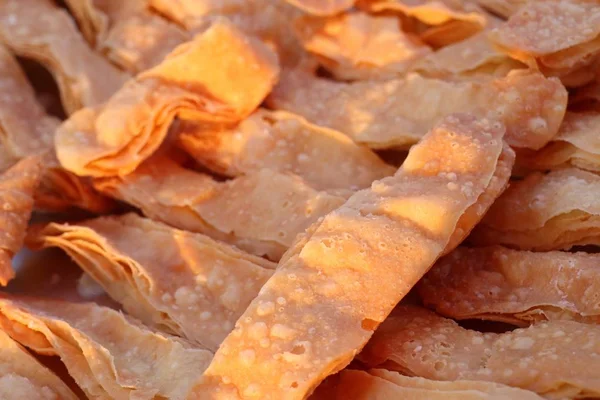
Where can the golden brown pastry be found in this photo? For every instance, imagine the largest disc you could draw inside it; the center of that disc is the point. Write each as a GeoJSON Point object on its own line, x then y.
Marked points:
{"type": "Point", "coordinates": [284, 142]}
{"type": "Point", "coordinates": [85, 79]}
{"type": "Point", "coordinates": [382, 384]}
{"type": "Point", "coordinates": [127, 32]}
{"type": "Point", "coordinates": [351, 268]}
{"type": "Point", "coordinates": [518, 287]}
{"type": "Point", "coordinates": [398, 112]}
{"type": "Point", "coordinates": [545, 212]}
{"type": "Point", "coordinates": [182, 283]}
{"type": "Point", "coordinates": [556, 359]}
{"type": "Point", "coordinates": [109, 355]}
{"type": "Point", "coordinates": [194, 82]}
{"type": "Point", "coordinates": [322, 7]}
{"type": "Point", "coordinates": [23, 377]}
{"type": "Point", "coordinates": [261, 213]}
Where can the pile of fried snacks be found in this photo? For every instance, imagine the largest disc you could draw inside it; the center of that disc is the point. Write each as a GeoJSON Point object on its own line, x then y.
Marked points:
{"type": "Point", "coordinates": [300, 199]}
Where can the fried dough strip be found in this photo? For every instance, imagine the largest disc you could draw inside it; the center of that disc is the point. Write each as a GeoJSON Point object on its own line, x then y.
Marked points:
{"type": "Point", "coordinates": [503, 8]}
{"type": "Point", "coordinates": [26, 130]}
{"type": "Point", "coordinates": [382, 384]}
{"type": "Point", "coordinates": [109, 355]}
{"type": "Point", "coordinates": [39, 30]}
{"type": "Point", "coordinates": [260, 213]}
{"type": "Point", "coordinates": [558, 37]}
{"type": "Point", "coordinates": [545, 212]}
{"type": "Point", "coordinates": [397, 113]}
{"type": "Point", "coordinates": [17, 186]}
{"type": "Point", "coordinates": [419, 342]}
{"type": "Point", "coordinates": [267, 19]}
{"type": "Point", "coordinates": [127, 32]}
{"type": "Point", "coordinates": [446, 21]}
{"type": "Point", "coordinates": [284, 142]}
{"type": "Point", "coordinates": [518, 287]}
{"type": "Point", "coordinates": [322, 7]}
{"type": "Point", "coordinates": [576, 145]}
{"type": "Point", "coordinates": [194, 82]}
{"type": "Point", "coordinates": [23, 377]}
{"type": "Point", "coordinates": [353, 266]}
{"type": "Point", "coordinates": [182, 283]}
{"type": "Point", "coordinates": [359, 46]}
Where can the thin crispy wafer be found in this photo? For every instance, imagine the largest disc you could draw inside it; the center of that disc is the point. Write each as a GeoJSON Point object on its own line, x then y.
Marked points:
{"type": "Point", "coordinates": [559, 37]}
{"type": "Point", "coordinates": [182, 283]}
{"type": "Point", "coordinates": [23, 377]}
{"type": "Point", "coordinates": [127, 32]}
{"type": "Point", "coordinates": [577, 144]}
{"type": "Point", "coordinates": [447, 21]}
{"type": "Point", "coordinates": [39, 30]}
{"type": "Point", "coordinates": [110, 356]}
{"type": "Point", "coordinates": [322, 7]}
{"type": "Point", "coordinates": [17, 186]}
{"type": "Point", "coordinates": [556, 359]}
{"type": "Point", "coordinates": [545, 212]}
{"type": "Point", "coordinates": [261, 213]}
{"type": "Point", "coordinates": [382, 384]}
{"type": "Point", "coordinates": [267, 19]}
{"type": "Point", "coordinates": [518, 287]}
{"type": "Point", "coordinates": [280, 141]}
{"type": "Point", "coordinates": [397, 113]}
{"type": "Point", "coordinates": [353, 266]}
{"type": "Point", "coordinates": [470, 58]}
{"type": "Point", "coordinates": [194, 83]}
{"type": "Point", "coordinates": [358, 46]}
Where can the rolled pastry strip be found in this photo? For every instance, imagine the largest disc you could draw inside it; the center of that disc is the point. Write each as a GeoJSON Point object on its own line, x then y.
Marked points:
{"type": "Point", "coordinates": [283, 142]}
{"type": "Point", "coordinates": [398, 112]}
{"type": "Point", "coordinates": [341, 279]}
{"type": "Point", "coordinates": [382, 384]}
{"type": "Point", "coordinates": [182, 283]}
{"type": "Point", "coordinates": [109, 355]}
{"type": "Point", "coordinates": [261, 213]}
{"type": "Point", "coordinates": [518, 287]}
{"type": "Point", "coordinates": [418, 342]}
{"type": "Point", "coordinates": [359, 46]}
{"type": "Point", "coordinates": [193, 82]}
{"type": "Point", "coordinates": [577, 145]}
{"type": "Point", "coordinates": [17, 187]}
{"type": "Point", "coordinates": [561, 38]}
{"type": "Point", "coordinates": [23, 377]}
{"type": "Point", "coordinates": [84, 78]}
{"type": "Point", "coordinates": [443, 21]}
{"type": "Point", "coordinates": [555, 211]}
{"type": "Point", "coordinates": [127, 32]}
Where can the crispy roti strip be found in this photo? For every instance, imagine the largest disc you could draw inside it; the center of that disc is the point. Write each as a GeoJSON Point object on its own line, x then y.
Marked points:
{"type": "Point", "coordinates": [284, 142]}
{"type": "Point", "coordinates": [110, 356]}
{"type": "Point", "coordinates": [17, 186]}
{"type": "Point", "coordinates": [502, 8]}
{"type": "Point", "coordinates": [545, 212]}
{"type": "Point", "coordinates": [576, 145]}
{"type": "Point", "coordinates": [382, 384]}
{"type": "Point", "coordinates": [26, 130]}
{"type": "Point", "coordinates": [322, 7]}
{"type": "Point", "coordinates": [39, 30]}
{"type": "Point", "coordinates": [397, 113]}
{"type": "Point", "coordinates": [518, 287]}
{"type": "Point", "coordinates": [352, 267]}
{"type": "Point", "coordinates": [558, 37]}
{"type": "Point", "coordinates": [182, 283]}
{"type": "Point", "coordinates": [127, 32]}
{"type": "Point", "coordinates": [471, 58]}
{"type": "Point", "coordinates": [267, 19]}
{"type": "Point", "coordinates": [359, 46]}
{"type": "Point", "coordinates": [261, 212]}
{"type": "Point", "coordinates": [556, 359]}
{"type": "Point", "coordinates": [445, 21]}
{"type": "Point", "coordinates": [23, 377]}
{"type": "Point", "coordinates": [194, 83]}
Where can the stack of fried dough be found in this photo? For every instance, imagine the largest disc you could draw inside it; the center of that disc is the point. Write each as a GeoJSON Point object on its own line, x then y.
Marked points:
{"type": "Point", "coordinates": [300, 199]}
